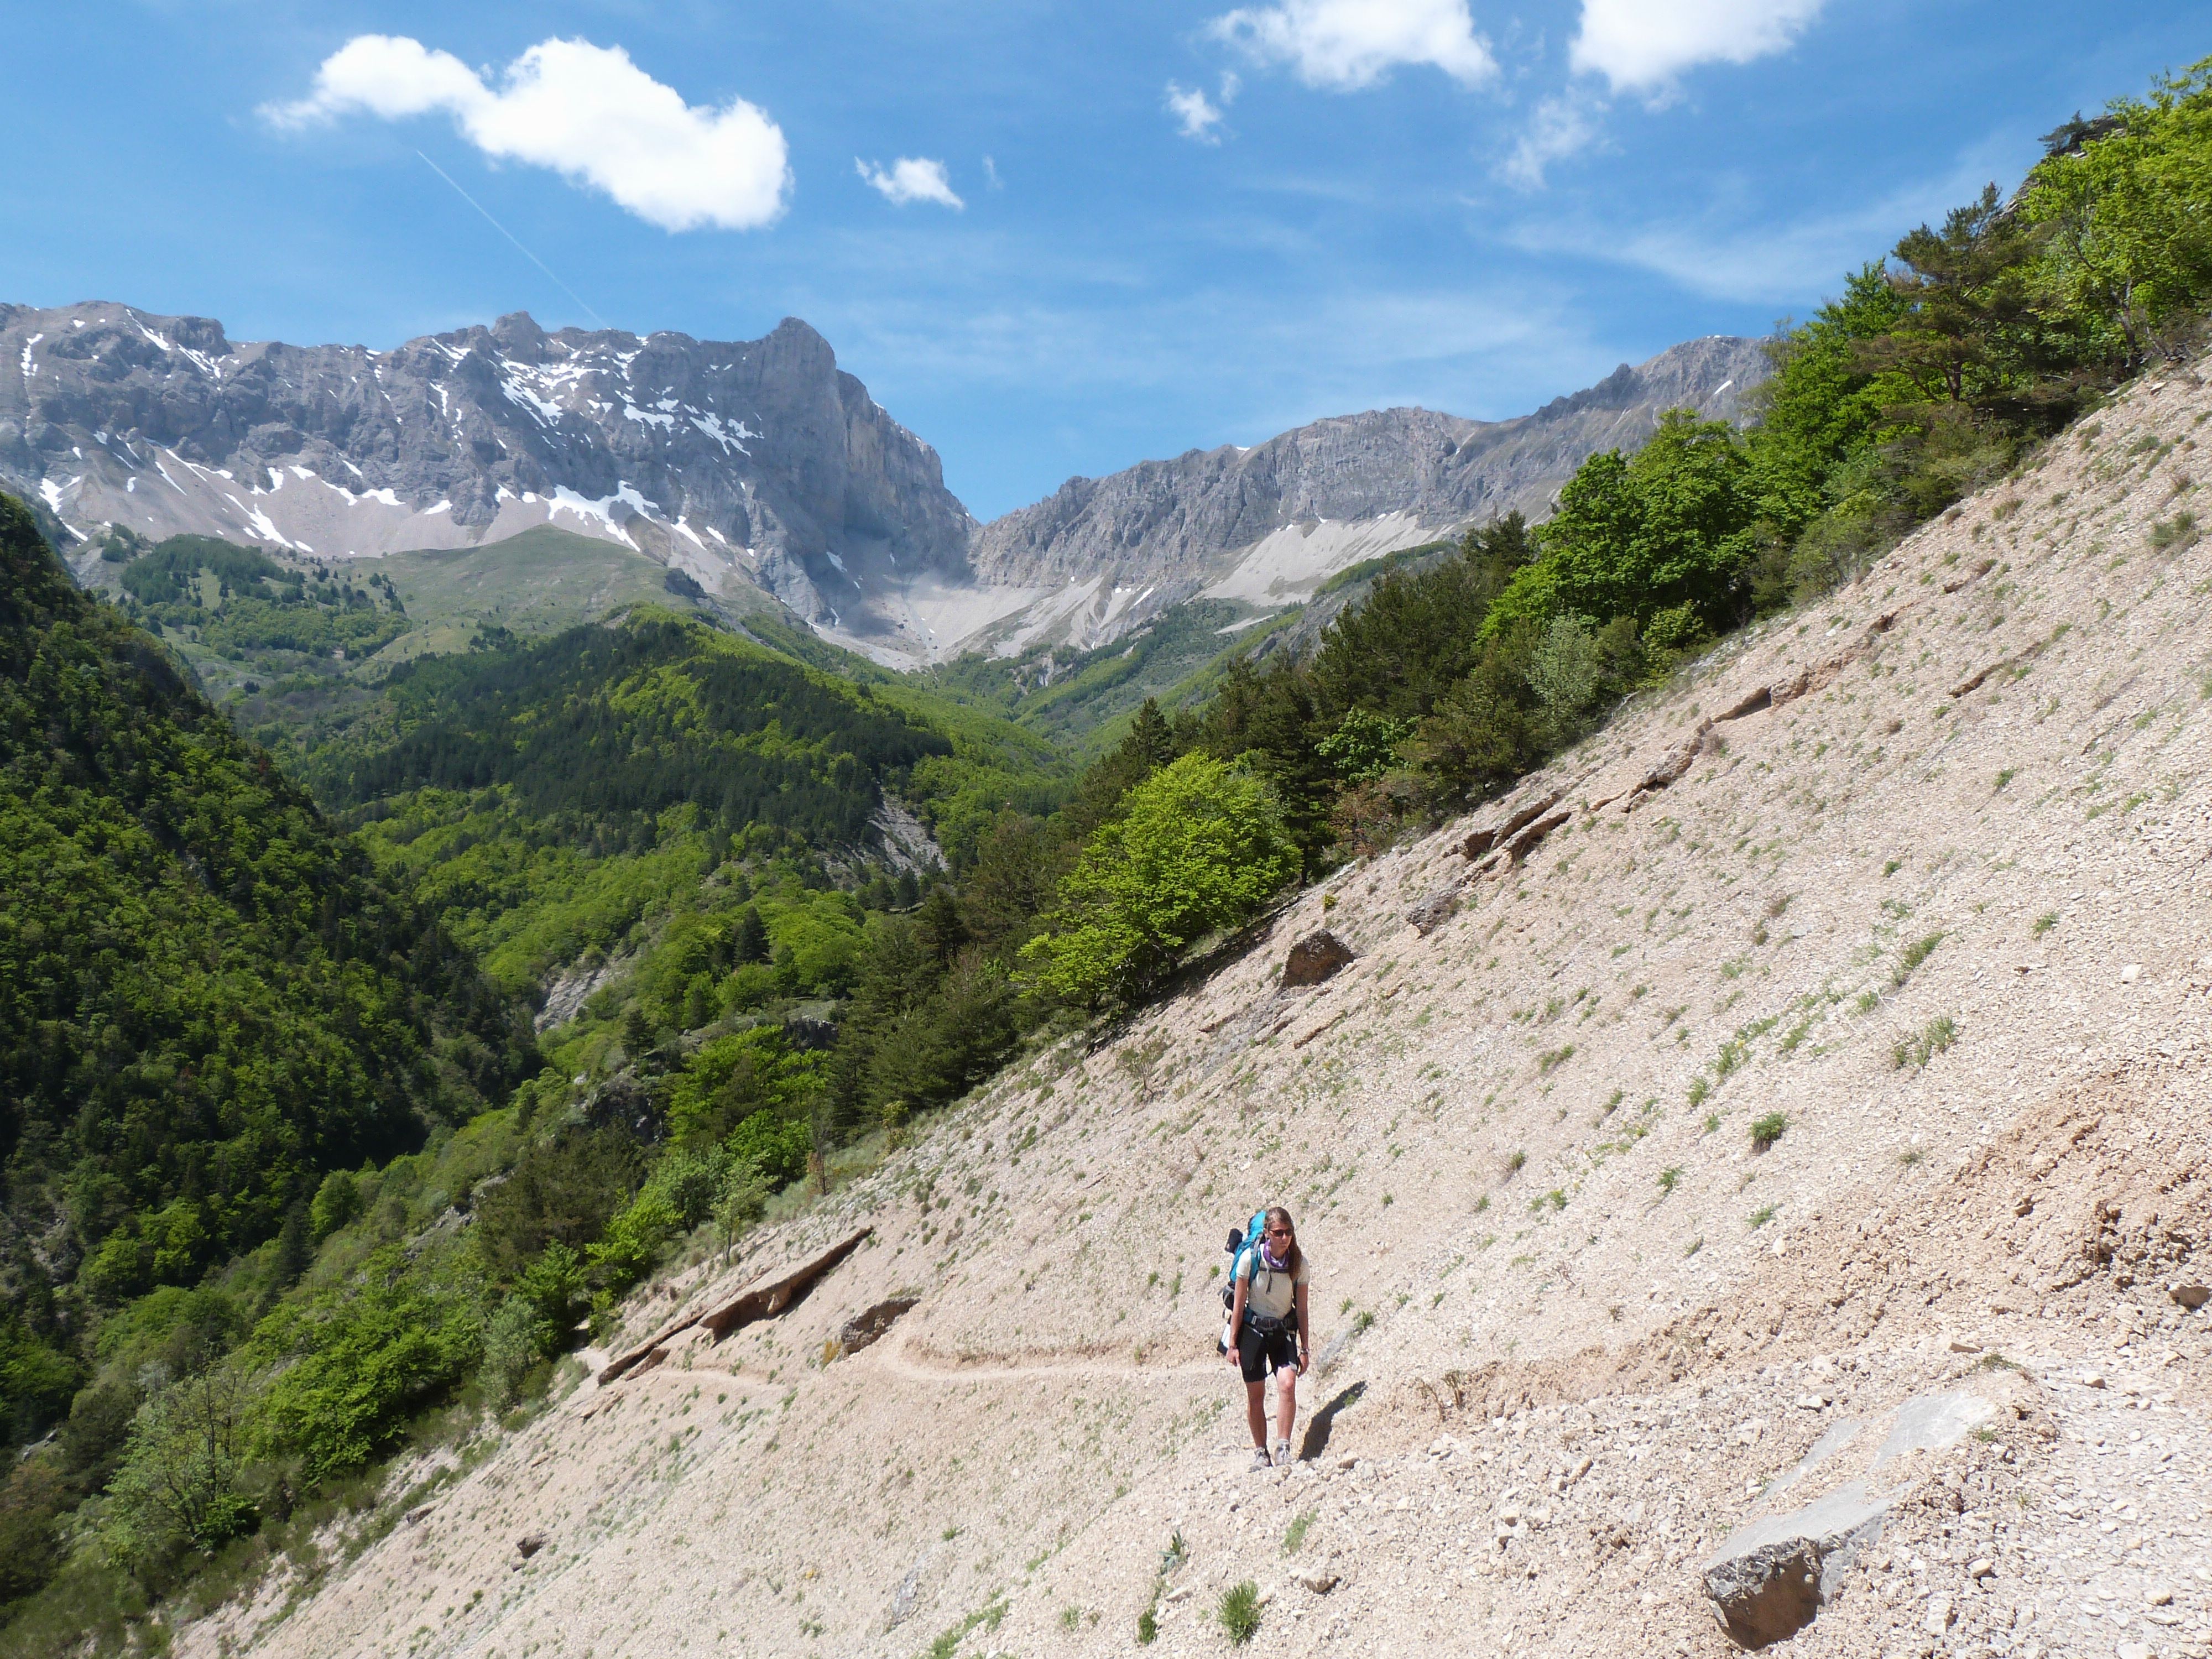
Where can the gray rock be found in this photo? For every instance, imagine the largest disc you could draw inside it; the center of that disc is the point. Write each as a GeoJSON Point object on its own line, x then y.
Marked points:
{"type": "Point", "coordinates": [2192, 1297]}
{"type": "Point", "coordinates": [1525, 842]}
{"type": "Point", "coordinates": [1768, 1579]}
{"type": "Point", "coordinates": [1929, 1422]}
{"type": "Point", "coordinates": [1434, 911]}
{"type": "Point", "coordinates": [1317, 956]}
{"type": "Point", "coordinates": [908, 1596]}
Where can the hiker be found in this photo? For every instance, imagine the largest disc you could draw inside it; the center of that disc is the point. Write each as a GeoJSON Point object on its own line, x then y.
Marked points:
{"type": "Point", "coordinates": [1268, 1330]}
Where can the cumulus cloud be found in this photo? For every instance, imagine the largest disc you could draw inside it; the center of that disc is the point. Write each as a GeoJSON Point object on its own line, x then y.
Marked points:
{"type": "Point", "coordinates": [1198, 116]}
{"type": "Point", "coordinates": [1641, 46]}
{"type": "Point", "coordinates": [586, 112]}
{"type": "Point", "coordinates": [1561, 127]}
{"type": "Point", "coordinates": [1346, 45]}
{"type": "Point", "coordinates": [911, 179]}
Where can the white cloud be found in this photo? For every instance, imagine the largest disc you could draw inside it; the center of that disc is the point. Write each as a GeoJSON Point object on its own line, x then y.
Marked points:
{"type": "Point", "coordinates": [1641, 46]}
{"type": "Point", "coordinates": [586, 111]}
{"type": "Point", "coordinates": [911, 179]}
{"type": "Point", "coordinates": [1197, 115]}
{"type": "Point", "coordinates": [1349, 44]}
{"type": "Point", "coordinates": [1563, 126]}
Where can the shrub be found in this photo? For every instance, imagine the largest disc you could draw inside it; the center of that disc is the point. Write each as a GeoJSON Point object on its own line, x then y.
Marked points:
{"type": "Point", "coordinates": [515, 1342]}
{"type": "Point", "coordinates": [356, 1362]}
{"type": "Point", "coordinates": [337, 1202]}
{"type": "Point", "coordinates": [1239, 1611]}
{"type": "Point", "coordinates": [684, 1190]}
{"type": "Point", "coordinates": [1201, 847]}
{"type": "Point", "coordinates": [1565, 673]}
{"type": "Point", "coordinates": [1767, 1130]}
{"type": "Point", "coordinates": [1364, 745]}
{"type": "Point", "coordinates": [1670, 1177]}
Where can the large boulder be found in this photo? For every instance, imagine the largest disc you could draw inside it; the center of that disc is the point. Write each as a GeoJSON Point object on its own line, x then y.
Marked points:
{"type": "Point", "coordinates": [1319, 956]}
{"type": "Point", "coordinates": [1769, 1578]}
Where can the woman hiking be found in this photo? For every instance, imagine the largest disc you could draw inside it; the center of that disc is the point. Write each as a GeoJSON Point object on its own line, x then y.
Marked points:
{"type": "Point", "coordinates": [1268, 1330]}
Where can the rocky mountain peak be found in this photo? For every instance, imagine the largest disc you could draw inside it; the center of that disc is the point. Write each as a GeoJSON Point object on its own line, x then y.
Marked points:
{"type": "Point", "coordinates": [749, 464]}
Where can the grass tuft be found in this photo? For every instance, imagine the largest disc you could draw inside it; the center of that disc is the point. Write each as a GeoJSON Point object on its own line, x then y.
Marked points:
{"type": "Point", "coordinates": [1923, 1045]}
{"type": "Point", "coordinates": [1239, 1611]}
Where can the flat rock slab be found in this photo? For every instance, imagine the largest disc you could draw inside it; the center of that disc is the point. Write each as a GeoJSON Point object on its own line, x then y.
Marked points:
{"type": "Point", "coordinates": [1929, 1422]}
{"type": "Point", "coordinates": [1769, 1578]}
{"type": "Point", "coordinates": [763, 1299]}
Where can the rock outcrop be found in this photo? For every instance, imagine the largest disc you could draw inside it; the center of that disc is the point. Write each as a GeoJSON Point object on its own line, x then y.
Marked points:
{"type": "Point", "coordinates": [1769, 1580]}
{"type": "Point", "coordinates": [743, 464]}
{"type": "Point", "coordinates": [1319, 956]}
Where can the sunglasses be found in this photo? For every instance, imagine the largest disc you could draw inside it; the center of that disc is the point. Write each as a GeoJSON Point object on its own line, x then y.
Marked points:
{"type": "Point", "coordinates": [1278, 1232]}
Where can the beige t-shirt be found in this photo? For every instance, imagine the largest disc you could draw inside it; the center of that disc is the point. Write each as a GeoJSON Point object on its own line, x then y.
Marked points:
{"type": "Point", "coordinates": [1270, 1293]}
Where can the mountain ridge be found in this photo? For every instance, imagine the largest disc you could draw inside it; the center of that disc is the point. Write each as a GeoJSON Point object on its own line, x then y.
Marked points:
{"type": "Point", "coordinates": [760, 460]}
{"type": "Point", "coordinates": [759, 470]}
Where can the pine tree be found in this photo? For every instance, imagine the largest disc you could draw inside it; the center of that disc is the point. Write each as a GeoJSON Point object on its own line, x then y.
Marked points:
{"type": "Point", "coordinates": [294, 1250]}
{"type": "Point", "coordinates": [752, 936]}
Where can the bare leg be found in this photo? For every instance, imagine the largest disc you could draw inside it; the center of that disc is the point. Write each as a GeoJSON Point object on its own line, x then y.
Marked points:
{"type": "Point", "coordinates": [1256, 1412]}
{"type": "Point", "coordinates": [1287, 1403]}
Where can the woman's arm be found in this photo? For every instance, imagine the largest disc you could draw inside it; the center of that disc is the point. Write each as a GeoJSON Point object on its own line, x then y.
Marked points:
{"type": "Point", "coordinates": [1236, 1316]}
{"type": "Point", "coordinates": [1306, 1332]}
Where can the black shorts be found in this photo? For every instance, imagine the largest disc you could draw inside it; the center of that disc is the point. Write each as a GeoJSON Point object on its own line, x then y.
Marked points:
{"type": "Point", "coordinates": [1257, 1355]}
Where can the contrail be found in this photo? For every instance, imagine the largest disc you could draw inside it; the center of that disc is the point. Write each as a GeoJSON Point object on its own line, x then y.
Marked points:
{"type": "Point", "coordinates": [511, 237]}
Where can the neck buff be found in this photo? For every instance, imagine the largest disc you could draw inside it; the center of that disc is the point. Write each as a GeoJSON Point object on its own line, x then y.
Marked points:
{"type": "Point", "coordinates": [1275, 1263]}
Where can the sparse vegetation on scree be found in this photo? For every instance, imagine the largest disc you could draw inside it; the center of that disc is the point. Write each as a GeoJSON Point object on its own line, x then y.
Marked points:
{"type": "Point", "coordinates": [265, 1030]}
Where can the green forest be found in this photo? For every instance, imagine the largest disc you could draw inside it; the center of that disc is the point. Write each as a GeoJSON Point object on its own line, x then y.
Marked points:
{"type": "Point", "coordinates": [355, 1070]}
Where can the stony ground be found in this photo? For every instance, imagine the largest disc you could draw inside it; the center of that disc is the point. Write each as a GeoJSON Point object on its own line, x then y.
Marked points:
{"type": "Point", "coordinates": [1923, 871]}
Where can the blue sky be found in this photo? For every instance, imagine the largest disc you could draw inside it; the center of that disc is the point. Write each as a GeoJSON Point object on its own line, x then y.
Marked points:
{"type": "Point", "coordinates": [1176, 225]}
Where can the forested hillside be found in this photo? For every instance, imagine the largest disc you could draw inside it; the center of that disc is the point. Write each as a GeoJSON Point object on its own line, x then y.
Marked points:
{"type": "Point", "coordinates": [209, 996]}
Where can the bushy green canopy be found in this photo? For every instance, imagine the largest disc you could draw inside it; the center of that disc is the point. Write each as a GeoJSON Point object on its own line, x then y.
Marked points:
{"type": "Point", "coordinates": [1200, 847]}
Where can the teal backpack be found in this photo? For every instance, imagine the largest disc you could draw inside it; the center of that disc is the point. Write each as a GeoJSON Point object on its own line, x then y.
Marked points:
{"type": "Point", "coordinates": [1241, 1242]}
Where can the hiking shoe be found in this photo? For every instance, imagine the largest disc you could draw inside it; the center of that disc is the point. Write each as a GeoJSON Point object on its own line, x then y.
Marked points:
{"type": "Point", "coordinates": [1259, 1459]}
{"type": "Point", "coordinates": [1283, 1458]}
